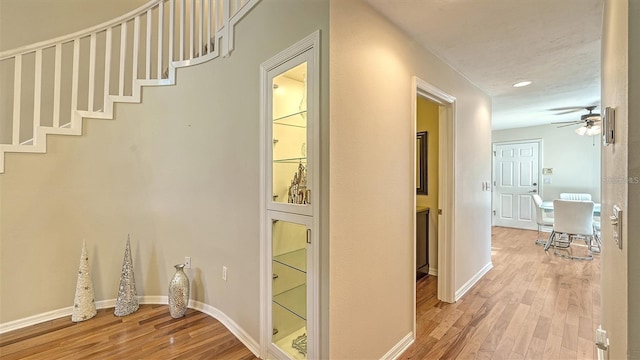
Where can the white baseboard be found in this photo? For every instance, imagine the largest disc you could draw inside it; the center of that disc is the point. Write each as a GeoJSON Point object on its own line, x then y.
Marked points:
{"type": "Point", "coordinates": [235, 329]}
{"type": "Point", "coordinates": [231, 325]}
{"type": "Point", "coordinates": [48, 316]}
{"type": "Point", "coordinates": [433, 271]}
{"type": "Point", "coordinates": [36, 319]}
{"type": "Point", "coordinates": [469, 284]}
{"type": "Point", "coordinates": [399, 348]}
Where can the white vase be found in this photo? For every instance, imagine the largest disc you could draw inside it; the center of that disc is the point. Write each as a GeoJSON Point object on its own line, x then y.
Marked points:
{"type": "Point", "coordinates": [178, 293]}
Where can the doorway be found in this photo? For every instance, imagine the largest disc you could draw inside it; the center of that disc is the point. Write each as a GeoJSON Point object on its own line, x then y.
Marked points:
{"type": "Point", "coordinates": [444, 237]}
{"type": "Point", "coordinates": [516, 176]}
{"type": "Point", "coordinates": [427, 151]}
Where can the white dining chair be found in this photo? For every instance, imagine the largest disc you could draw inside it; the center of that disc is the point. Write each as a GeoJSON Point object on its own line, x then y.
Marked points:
{"type": "Point", "coordinates": [575, 196]}
{"type": "Point", "coordinates": [572, 220]}
{"type": "Point", "coordinates": [543, 219]}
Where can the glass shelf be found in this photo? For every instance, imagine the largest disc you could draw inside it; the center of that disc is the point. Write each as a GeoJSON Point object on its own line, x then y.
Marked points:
{"type": "Point", "coordinates": [295, 160]}
{"type": "Point", "coordinates": [294, 300]}
{"type": "Point", "coordinates": [295, 259]}
{"type": "Point", "coordinates": [297, 119]}
{"type": "Point", "coordinates": [285, 343]}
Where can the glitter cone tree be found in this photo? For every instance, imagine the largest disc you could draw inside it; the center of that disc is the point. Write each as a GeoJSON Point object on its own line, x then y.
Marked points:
{"type": "Point", "coordinates": [127, 301]}
{"type": "Point", "coordinates": [84, 306]}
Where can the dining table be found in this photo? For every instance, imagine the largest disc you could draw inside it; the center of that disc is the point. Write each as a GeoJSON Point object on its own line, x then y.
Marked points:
{"type": "Point", "coordinates": [548, 206]}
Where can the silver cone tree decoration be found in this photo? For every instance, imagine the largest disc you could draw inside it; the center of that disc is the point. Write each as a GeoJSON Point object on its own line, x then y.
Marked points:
{"type": "Point", "coordinates": [84, 305]}
{"type": "Point", "coordinates": [127, 301]}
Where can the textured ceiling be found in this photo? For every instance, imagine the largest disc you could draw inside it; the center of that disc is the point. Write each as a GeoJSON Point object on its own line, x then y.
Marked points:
{"type": "Point", "coordinates": [496, 43]}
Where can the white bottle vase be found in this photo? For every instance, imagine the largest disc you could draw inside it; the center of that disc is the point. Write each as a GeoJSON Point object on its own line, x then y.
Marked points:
{"type": "Point", "coordinates": [178, 293]}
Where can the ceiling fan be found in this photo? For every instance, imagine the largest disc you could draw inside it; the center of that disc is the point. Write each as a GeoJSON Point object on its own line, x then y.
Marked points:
{"type": "Point", "coordinates": [590, 122]}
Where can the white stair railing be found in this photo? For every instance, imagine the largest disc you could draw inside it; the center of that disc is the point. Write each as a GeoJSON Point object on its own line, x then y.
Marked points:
{"type": "Point", "coordinates": [50, 86]}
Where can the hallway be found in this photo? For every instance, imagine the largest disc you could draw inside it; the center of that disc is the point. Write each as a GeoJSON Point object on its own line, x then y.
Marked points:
{"type": "Point", "coordinates": [529, 306]}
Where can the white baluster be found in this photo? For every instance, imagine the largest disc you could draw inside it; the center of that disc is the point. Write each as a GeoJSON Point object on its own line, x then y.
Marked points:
{"type": "Point", "coordinates": [107, 66]}
{"type": "Point", "coordinates": [75, 76]}
{"type": "Point", "coordinates": [56, 86]}
{"type": "Point", "coordinates": [172, 21]}
{"type": "Point", "coordinates": [160, 38]}
{"type": "Point", "coordinates": [136, 49]}
{"type": "Point", "coordinates": [209, 20]}
{"type": "Point", "coordinates": [225, 32]}
{"type": "Point", "coordinates": [17, 93]}
{"type": "Point", "coordinates": [201, 29]}
{"type": "Point", "coordinates": [191, 28]}
{"type": "Point", "coordinates": [182, 18]}
{"type": "Point", "coordinates": [92, 71]}
{"type": "Point", "coordinates": [123, 53]}
{"type": "Point", "coordinates": [148, 60]}
{"type": "Point", "coordinates": [37, 94]}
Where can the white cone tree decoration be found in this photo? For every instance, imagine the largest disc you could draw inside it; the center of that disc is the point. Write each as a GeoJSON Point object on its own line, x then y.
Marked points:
{"type": "Point", "coordinates": [84, 305]}
{"type": "Point", "coordinates": [127, 301]}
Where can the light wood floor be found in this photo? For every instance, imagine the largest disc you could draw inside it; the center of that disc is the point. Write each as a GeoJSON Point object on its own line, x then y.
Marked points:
{"type": "Point", "coordinates": [149, 333]}
{"type": "Point", "coordinates": [529, 306]}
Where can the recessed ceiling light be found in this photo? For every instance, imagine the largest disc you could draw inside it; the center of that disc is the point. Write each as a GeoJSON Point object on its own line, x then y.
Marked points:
{"type": "Point", "coordinates": [522, 83]}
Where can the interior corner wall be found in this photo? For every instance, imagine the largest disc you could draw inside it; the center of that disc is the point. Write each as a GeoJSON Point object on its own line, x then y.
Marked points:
{"type": "Point", "coordinates": [428, 116]}
{"type": "Point", "coordinates": [575, 159]}
{"type": "Point", "coordinates": [372, 185]}
{"type": "Point", "coordinates": [179, 172]}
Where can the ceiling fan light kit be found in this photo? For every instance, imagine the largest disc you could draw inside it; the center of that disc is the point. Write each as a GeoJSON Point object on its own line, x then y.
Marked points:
{"type": "Point", "coordinates": [589, 131]}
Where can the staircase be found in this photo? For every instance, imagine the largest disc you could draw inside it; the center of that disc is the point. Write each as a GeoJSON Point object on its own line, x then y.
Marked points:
{"type": "Point", "coordinates": [57, 83]}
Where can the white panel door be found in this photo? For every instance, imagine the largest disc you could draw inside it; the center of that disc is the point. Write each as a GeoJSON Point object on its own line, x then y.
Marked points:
{"type": "Point", "coordinates": [516, 177]}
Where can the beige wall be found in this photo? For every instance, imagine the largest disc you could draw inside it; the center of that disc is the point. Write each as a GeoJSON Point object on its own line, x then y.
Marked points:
{"type": "Point", "coordinates": [427, 114]}
{"type": "Point", "coordinates": [621, 171]}
{"type": "Point", "coordinates": [372, 193]}
{"type": "Point", "coordinates": [633, 235]}
{"type": "Point", "coordinates": [54, 18]}
{"type": "Point", "coordinates": [575, 159]}
{"type": "Point", "coordinates": [180, 173]}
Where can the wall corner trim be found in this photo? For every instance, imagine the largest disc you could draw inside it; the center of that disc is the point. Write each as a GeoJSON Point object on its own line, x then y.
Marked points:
{"type": "Point", "coordinates": [469, 284]}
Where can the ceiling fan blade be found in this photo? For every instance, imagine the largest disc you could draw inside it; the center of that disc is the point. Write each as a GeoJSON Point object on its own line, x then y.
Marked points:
{"type": "Point", "coordinates": [575, 123]}
{"type": "Point", "coordinates": [567, 111]}
{"type": "Point", "coordinates": [568, 122]}
{"type": "Point", "coordinates": [574, 108]}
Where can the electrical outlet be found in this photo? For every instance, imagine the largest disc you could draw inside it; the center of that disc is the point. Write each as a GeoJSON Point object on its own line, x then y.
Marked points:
{"type": "Point", "coordinates": [224, 273]}
{"type": "Point", "coordinates": [187, 262]}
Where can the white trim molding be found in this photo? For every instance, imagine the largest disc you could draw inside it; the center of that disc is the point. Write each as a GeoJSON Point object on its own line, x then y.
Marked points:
{"type": "Point", "coordinates": [446, 192]}
{"type": "Point", "coordinates": [433, 271]}
{"type": "Point", "coordinates": [395, 352]}
{"type": "Point", "coordinates": [231, 325]}
{"type": "Point", "coordinates": [308, 48]}
{"type": "Point", "coordinates": [469, 284]}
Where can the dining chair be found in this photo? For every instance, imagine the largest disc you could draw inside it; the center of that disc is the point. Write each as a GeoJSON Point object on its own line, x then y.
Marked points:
{"type": "Point", "coordinates": [575, 196]}
{"type": "Point", "coordinates": [572, 220]}
{"type": "Point", "coordinates": [542, 218]}
{"type": "Point", "coordinates": [596, 235]}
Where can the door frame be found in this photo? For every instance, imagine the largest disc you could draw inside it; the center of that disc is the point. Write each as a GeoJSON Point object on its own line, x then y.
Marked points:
{"type": "Point", "coordinates": [494, 194]}
{"type": "Point", "coordinates": [446, 188]}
